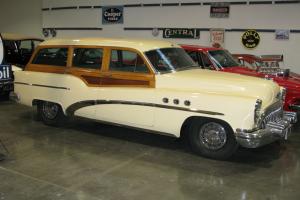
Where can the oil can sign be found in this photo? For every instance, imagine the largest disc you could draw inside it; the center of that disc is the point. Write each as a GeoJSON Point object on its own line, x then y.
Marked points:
{"type": "Point", "coordinates": [112, 15]}
{"type": "Point", "coordinates": [5, 72]}
{"type": "Point", "coordinates": [250, 39]}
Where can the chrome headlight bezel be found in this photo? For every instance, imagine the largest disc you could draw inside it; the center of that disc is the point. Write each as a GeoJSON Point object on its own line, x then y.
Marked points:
{"type": "Point", "coordinates": [257, 112]}
{"type": "Point", "coordinates": [283, 94]}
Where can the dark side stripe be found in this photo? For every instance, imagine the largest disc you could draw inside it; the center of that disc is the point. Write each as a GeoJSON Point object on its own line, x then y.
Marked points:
{"type": "Point", "coordinates": [81, 104]}
{"type": "Point", "coordinates": [38, 85]}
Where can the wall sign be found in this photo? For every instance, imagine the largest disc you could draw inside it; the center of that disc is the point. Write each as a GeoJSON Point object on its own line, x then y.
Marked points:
{"type": "Point", "coordinates": [1, 50]}
{"type": "Point", "coordinates": [155, 32]}
{"type": "Point", "coordinates": [112, 15]}
{"type": "Point", "coordinates": [217, 37]}
{"type": "Point", "coordinates": [187, 33]}
{"type": "Point", "coordinates": [219, 10]}
{"type": "Point", "coordinates": [5, 72]}
{"type": "Point", "coordinates": [282, 34]}
{"type": "Point", "coordinates": [250, 39]}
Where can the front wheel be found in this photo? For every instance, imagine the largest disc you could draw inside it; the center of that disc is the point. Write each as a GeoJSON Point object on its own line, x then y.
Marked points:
{"type": "Point", "coordinates": [51, 113]}
{"type": "Point", "coordinates": [212, 138]}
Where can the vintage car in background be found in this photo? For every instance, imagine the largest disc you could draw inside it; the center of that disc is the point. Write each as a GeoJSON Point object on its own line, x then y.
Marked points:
{"type": "Point", "coordinates": [263, 65]}
{"type": "Point", "coordinates": [221, 60]}
{"type": "Point", "coordinates": [18, 48]}
{"type": "Point", "coordinates": [155, 86]}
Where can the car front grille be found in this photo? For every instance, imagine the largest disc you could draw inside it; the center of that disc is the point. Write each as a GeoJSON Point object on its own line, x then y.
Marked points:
{"type": "Point", "coordinates": [273, 113]}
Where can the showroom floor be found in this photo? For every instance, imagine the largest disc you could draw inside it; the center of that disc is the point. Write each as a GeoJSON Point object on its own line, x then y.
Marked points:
{"type": "Point", "coordinates": [87, 160]}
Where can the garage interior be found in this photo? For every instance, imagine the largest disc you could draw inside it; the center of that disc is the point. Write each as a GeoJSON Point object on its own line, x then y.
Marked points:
{"type": "Point", "coordinates": [87, 160]}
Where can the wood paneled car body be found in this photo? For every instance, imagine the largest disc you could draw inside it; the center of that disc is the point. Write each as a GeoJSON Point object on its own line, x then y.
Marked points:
{"type": "Point", "coordinates": [152, 85]}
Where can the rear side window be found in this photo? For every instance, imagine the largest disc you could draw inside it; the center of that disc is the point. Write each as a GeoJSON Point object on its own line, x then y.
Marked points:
{"type": "Point", "coordinates": [51, 56]}
{"type": "Point", "coordinates": [90, 58]}
{"type": "Point", "coordinates": [127, 61]}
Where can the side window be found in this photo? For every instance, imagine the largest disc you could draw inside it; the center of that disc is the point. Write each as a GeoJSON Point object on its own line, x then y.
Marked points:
{"type": "Point", "coordinates": [9, 45]}
{"type": "Point", "coordinates": [206, 63]}
{"type": "Point", "coordinates": [127, 61]}
{"type": "Point", "coordinates": [51, 56]}
{"type": "Point", "coordinates": [26, 46]}
{"type": "Point", "coordinates": [36, 43]}
{"type": "Point", "coordinates": [90, 58]}
{"type": "Point", "coordinates": [196, 57]}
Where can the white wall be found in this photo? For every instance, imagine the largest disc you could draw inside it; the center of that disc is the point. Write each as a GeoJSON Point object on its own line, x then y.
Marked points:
{"type": "Point", "coordinates": [284, 16]}
{"type": "Point", "coordinates": [25, 17]}
{"type": "Point", "coordinates": [21, 16]}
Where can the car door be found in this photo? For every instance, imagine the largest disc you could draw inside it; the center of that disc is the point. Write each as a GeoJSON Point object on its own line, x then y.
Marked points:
{"type": "Point", "coordinates": [127, 93]}
{"type": "Point", "coordinates": [85, 64]}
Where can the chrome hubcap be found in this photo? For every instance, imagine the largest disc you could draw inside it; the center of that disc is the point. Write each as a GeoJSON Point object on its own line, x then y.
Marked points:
{"type": "Point", "coordinates": [213, 135]}
{"type": "Point", "coordinates": [50, 110]}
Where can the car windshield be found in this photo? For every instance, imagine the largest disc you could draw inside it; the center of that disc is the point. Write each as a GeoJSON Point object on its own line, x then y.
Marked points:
{"type": "Point", "coordinates": [170, 59]}
{"type": "Point", "coordinates": [223, 58]}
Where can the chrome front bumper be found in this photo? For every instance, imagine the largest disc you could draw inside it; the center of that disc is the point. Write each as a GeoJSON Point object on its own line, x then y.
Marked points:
{"type": "Point", "coordinates": [273, 131]}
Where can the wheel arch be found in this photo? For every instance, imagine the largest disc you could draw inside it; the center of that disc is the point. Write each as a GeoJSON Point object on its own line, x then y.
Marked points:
{"type": "Point", "coordinates": [187, 122]}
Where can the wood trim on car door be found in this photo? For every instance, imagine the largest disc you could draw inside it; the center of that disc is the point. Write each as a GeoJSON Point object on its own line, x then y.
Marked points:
{"type": "Point", "coordinates": [91, 77]}
{"type": "Point", "coordinates": [47, 68]}
{"type": "Point", "coordinates": [126, 79]}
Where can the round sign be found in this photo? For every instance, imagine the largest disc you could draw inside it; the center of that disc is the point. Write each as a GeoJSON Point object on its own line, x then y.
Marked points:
{"type": "Point", "coordinates": [112, 15]}
{"type": "Point", "coordinates": [155, 32]}
{"type": "Point", "coordinates": [53, 32]}
{"type": "Point", "coordinates": [45, 32]}
{"type": "Point", "coordinates": [1, 50]}
{"type": "Point", "coordinates": [250, 39]}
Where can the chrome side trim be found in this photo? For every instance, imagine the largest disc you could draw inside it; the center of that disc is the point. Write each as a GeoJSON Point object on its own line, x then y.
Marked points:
{"type": "Point", "coordinates": [81, 104]}
{"type": "Point", "coordinates": [47, 86]}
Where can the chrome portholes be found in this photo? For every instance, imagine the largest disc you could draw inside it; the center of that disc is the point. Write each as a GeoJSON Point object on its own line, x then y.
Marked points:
{"type": "Point", "coordinates": [213, 136]}
{"type": "Point", "coordinates": [50, 110]}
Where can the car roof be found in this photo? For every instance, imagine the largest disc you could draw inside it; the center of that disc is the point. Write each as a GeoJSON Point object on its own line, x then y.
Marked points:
{"type": "Point", "coordinates": [198, 47]}
{"type": "Point", "coordinates": [139, 44]}
{"type": "Point", "coordinates": [13, 36]}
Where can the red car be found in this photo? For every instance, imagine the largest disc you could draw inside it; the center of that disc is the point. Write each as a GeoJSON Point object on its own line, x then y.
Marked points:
{"type": "Point", "coordinates": [267, 65]}
{"type": "Point", "coordinates": [220, 59]}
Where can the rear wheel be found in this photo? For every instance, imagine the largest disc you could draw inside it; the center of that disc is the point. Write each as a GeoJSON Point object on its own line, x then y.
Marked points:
{"type": "Point", "coordinates": [51, 113]}
{"type": "Point", "coordinates": [212, 138]}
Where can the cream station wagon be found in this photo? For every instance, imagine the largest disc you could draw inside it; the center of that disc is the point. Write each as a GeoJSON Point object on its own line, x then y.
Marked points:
{"type": "Point", "coordinates": [152, 85]}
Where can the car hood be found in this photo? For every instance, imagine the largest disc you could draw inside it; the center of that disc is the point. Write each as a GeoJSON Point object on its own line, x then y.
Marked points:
{"type": "Point", "coordinates": [291, 82]}
{"type": "Point", "coordinates": [244, 71]}
{"type": "Point", "coordinates": [219, 83]}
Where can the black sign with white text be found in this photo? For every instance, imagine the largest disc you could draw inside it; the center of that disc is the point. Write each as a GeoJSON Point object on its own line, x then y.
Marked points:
{"type": "Point", "coordinates": [112, 15]}
{"type": "Point", "coordinates": [187, 33]}
{"type": "Point", "coordinates": [5, 72]}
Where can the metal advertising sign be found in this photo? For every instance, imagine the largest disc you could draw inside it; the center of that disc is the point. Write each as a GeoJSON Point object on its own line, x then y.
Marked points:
{"type": "Point", "coordinates": [5, 72]}
{"type": "Point", "coordinates": [185, 33]}
{"type": "Point", "coordinates": [250, 39]}
{"type": "Point", "coordinates": [219, 10]}
{"type": "Point", "coordinates": [1, 50]}
{"type": "Point", "coordinates": [112, 15]}
{"type": "Point", "coordinates": [217, 37]}
{"type": "Point", "coordinates": [282, 34]}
